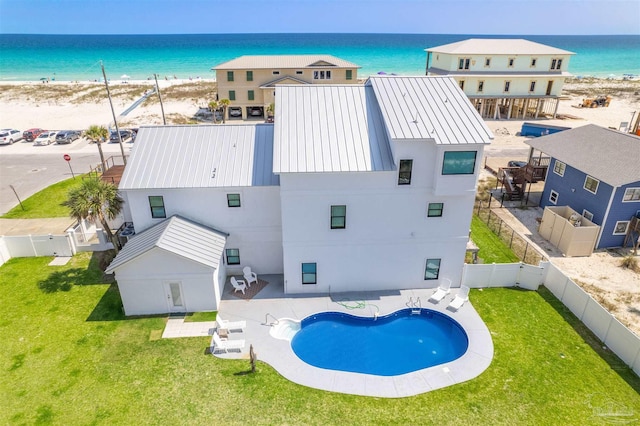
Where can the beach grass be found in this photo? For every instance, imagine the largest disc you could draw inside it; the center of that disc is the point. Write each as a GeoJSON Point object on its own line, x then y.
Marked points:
{"type": "Point", "coordinates": [492, 249]}
{"type": "Point", "coordinates": [70, 357]}
{"type": "Point", "coordinates": [46, 203]}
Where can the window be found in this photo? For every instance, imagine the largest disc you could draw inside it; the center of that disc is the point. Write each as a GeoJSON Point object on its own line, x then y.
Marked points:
{"type": "Point", "coordinates": [249, 75]}
{"type": "Point", "coordinates": [232, 95]}
{"type": "Point", "coordinates": [591, 184]}
{"type": "Point", "coordinates": [559, 64]}
{"type": "Point", "coordinates": [511, 62]}
{"type": "Point", "coordinates": [559, 168]}
{"type": "Point", "coordinates": [621, 227]}
{"type": "Point", "coordinates": [533, 62]}
{"type": "Point", "coordinates": [233, 200]}
{"type": "Point", "coordinates": [349, 74]}
{"type": "Point", "coordinates": [461, 84]}
{"type": "Point", "coordinates": [322, 75]}
{"type": "Point", "coordinates": [157, 207]}
{"type": "Point", "coordinates": [338, 217]}
{"type": "Point", "coordinates": [507, 85]}
{"type": "Point", "coordinates": [459, 162]}
{"type": "Point", "coordinates": [250, 95]}
{"type": "Point", "coordinates": [404, 174]}
{"type": "Point", "coordinates": [631, 194]}
{"type": "Point", "coordinates": [299, 72]}
{"type": "Point", "coordinates": [553, 197]}
{"type": "Point", "coordinates": [432, 270]}
{"type": "Point", "coordinates": [480, 86]}
{"type": "Point", "coordinates": [233, 256]}
{"type": "Point", "coordinates": [435, 210]}
{"type": "Point", "coordinates": [229, 75]}
{"type": "Point", "coordinates": [487, 62]}
{"type": "Point", "coordinates": [463, 63]}
{"type": "Point", "coordinates": [309, 273]}
{"type": "Point", "coordinates": [556, 64]}
{"type": "Point", "coordinates": [532, 86]}
{"type": "Point", "coordinates": [275, 72]}
{"type": "Point", "coordinates": [587, 215]}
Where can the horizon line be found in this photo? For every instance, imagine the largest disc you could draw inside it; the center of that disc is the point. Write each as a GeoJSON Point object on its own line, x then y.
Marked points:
{"type": "Point", "coordinates": [323, 33]}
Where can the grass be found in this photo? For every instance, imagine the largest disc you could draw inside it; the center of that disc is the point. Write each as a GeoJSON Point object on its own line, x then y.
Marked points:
{"type": "Point", "coordinates": [70, 357]}
{"type": "Point", "coordinates": [46, 203]}
{"type": "Point", "coordinates": [492, 249]}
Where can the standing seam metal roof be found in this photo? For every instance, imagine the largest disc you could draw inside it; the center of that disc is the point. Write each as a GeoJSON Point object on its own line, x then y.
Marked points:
{"type": "Point", "coordinates": [497, 46]}
{"type": "Point", "coordinates": [428, 108]}
{"type": "Point", "coordinates": [285, 62]}
{"type": "Point", "coordinates": [179, 236]}
{"type": "Point", "coordinates": [200, 157]}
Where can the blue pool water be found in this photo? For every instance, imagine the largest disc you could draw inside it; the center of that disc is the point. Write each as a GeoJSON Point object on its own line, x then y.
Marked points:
{"type": "Point", "coordinates": [395, 344]}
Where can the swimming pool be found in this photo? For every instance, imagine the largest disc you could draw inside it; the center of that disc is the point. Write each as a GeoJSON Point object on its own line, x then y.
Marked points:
{"type": "Point", "coordinates": [389, 345]}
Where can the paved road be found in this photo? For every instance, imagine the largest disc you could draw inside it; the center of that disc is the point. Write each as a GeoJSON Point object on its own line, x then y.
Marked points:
{"type": "Point", "coordinates": [32, 168]}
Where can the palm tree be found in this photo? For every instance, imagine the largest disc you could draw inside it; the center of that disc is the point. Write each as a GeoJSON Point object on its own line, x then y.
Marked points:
{"type": "Point", "coordinates": [224, 103]}
{"type": "Point", "coordinates": [96, 200]}
{"type": "Point", "coordinates": [98, 134]}
{"type": "Point", "coordinates": [214, 106]}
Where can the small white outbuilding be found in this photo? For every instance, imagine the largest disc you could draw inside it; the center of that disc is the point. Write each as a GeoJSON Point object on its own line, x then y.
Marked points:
{"type": "Point", "coordinates": [174, 266]}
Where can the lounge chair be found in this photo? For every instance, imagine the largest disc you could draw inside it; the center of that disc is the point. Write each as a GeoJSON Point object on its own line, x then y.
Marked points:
{"type": "Point", "coordinates": [217, 344]}
{"type": "Point", "coordinates": [238, 285]}
{"type": "Point", "coordinates": [442, 290]}
{"type": "Point", "coordinates": [230, 325]}
{"type": "Point", "coordinates": [249, 276]}
{"type": "Point", "coordinates": [460, 299]}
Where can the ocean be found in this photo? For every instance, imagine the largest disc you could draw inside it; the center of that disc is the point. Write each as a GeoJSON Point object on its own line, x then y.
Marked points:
{"type": "Point", "coordinates": [77, 57]}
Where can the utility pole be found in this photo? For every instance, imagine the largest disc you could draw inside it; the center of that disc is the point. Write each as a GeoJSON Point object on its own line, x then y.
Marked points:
{"type": "Point", "coordinates": [115, 121]}
{"type": "Point", "coordinates": [164, 121]}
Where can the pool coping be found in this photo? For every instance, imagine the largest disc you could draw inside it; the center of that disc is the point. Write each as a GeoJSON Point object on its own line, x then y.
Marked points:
{"type": "Point", "coordinates": [280, 356]}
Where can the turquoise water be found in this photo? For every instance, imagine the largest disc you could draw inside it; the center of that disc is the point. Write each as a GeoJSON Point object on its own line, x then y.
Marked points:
{"type": "Point", "coordinates": [389, 345]}
{"type": "Point", "coordinates": [77, 57]}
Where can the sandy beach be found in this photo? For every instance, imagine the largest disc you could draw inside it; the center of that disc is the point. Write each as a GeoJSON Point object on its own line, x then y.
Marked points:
{"type": "Point", "coordinates": [70, 105]}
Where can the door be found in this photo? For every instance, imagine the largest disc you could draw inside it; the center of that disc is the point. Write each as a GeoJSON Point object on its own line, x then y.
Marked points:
{"type": "Point", "coordinates": [549, 87]}
{"type": "Point", "coordinates": [175, 297]}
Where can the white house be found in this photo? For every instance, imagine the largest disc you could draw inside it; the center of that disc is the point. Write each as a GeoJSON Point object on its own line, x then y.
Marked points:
{"type": "Point", "coordinates": [504, 78]}
{"type": "Point", "coordinates": [353, 188]}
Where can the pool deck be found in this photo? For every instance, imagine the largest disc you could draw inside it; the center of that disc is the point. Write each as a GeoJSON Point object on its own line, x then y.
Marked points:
{"type": "Point", "coordinates": [278, 353]}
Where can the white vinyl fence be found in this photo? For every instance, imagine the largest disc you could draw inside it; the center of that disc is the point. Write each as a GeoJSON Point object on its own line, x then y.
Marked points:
{"type": "Point", "coordinates": [503, 275]}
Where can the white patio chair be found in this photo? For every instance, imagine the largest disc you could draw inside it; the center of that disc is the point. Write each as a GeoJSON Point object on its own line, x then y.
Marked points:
{"type": "Point", "coordinates": [218, 344]}
{"type": "Point", "coordinates": [460, 299]}
{"type": "Point", "coordinates": [238, 285]}
{"type": "Point", "coordinates": [230, 325]}
{"type": "Point", "coordinates": [443, 289]}
{"type": "Point", "coordinates": [249, 276]}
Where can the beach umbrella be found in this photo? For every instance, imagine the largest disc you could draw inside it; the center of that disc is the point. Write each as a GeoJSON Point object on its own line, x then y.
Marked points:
{"type": "Point", "coordinates": [382, 73]}
{"type": "Point", "coordinates": [124, 77]}
{"type": "Point", "coordinates": [44, 78]}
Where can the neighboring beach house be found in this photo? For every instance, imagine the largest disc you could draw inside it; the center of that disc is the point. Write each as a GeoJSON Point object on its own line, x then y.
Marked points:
{"type": "Point", "coordinates": [354, 188]}
{"type": "Point", "coordinates": [249, 81]}
{"type": "Point", "coordinates": [504, 78]}
{"type": "Point", "coordinates": [596, 172]}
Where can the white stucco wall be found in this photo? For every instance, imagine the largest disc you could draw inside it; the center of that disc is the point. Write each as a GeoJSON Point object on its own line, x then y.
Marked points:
{"type": "Point", "coordinates": [522, 63]}
{"type": "Point", "coordinates": [142, 284]}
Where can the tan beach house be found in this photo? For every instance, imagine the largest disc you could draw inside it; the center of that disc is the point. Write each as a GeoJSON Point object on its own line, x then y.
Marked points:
{"type": "Point", "coordinates": [249, 82]}
{"type": "Point", "coordinates": [504, 78]}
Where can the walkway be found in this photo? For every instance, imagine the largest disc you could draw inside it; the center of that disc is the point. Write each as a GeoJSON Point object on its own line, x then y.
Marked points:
{"type": "Point", "coordinates": [176, 327]}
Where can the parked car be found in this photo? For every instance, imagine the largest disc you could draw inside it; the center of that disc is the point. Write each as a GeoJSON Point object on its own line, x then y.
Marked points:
{"type": "Point", "coordinates": [256, 112]}
{"type": "Point", "coordinates": [67, 136]}
{"type": "Point", "coordinates": [235, 112]}
{"type": "Point", "coordinates": [45, 138]}
{"type": "Point", "coordinates": [31, 134]}
{"type": "Point", "coordinates": [9, 136]}
{"type": "Point", "coordinates": [124, 134]}
{"type": "Point", "coordinates": [514, 163]}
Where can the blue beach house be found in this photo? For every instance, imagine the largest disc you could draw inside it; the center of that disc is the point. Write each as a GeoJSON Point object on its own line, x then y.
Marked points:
{"type": "Point", "coordinates": [596, 172]}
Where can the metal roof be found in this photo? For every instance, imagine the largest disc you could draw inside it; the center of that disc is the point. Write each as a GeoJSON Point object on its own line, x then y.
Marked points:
{"type": "Point", "coordinates": [201, 156]}
{"type": "Point", "coordinates": [284, 62]}
{"type": "Point", "coordinates": [605, 154]}
{"type": "Point", "coordinates": [179, 236]}
{"type": "Point", "coordinates": [497, 46]}
{"type": "Point", "coordinates": [498, 74]}
{"type": "Point", "coordinates": [329, 128]}
{"type": "Point", "coordinates": [428, 108]}
{"type": "Point", "coordinates": [287, 79]}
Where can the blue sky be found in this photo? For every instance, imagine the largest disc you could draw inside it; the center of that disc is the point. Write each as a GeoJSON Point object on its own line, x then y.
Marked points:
{"type": "Point", "coordinates": [320, 16]}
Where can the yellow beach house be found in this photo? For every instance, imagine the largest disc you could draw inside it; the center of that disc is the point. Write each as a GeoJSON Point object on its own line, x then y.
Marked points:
{"type": "Point", "coordinates": [249, 82]}
{"type": "Point", "coordinates": [504, 78]}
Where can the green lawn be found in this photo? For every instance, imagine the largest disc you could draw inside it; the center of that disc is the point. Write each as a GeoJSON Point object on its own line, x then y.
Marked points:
{"type": "Point", "coordinates": [492, 249]}
{"type": "Point", "coordinates": [69, 357]}
{"type": "Point", "coordinates": [46, 203]}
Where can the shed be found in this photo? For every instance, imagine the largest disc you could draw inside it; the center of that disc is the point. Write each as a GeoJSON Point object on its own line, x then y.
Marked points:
{"type": "Point", "coordinates": [571, 232]}
{"type": "Point", "coordinates": [174, 266]}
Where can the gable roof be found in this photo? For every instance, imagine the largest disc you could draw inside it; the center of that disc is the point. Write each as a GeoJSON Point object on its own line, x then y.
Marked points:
{"type": "Point", "coordinates": [284, 62]}
{"type": "Point", "coordinates": [283, 80]}
{"type": "Point", "coordinates": [178, 236]}
{"type": "Point", "coordinates": [428, 108]}
{"type": "Point", "coordinates": [329, 128]}
{"type": "Point", "coordinates": [605, 154]}
{"type": "Point", "coordinates": [201, 157]}
{"type": "Point", "coordinates": [497, 46]}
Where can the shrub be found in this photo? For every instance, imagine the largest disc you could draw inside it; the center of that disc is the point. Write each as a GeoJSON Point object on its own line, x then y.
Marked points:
{"type": "Point", "coordinates": [630, 262]}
